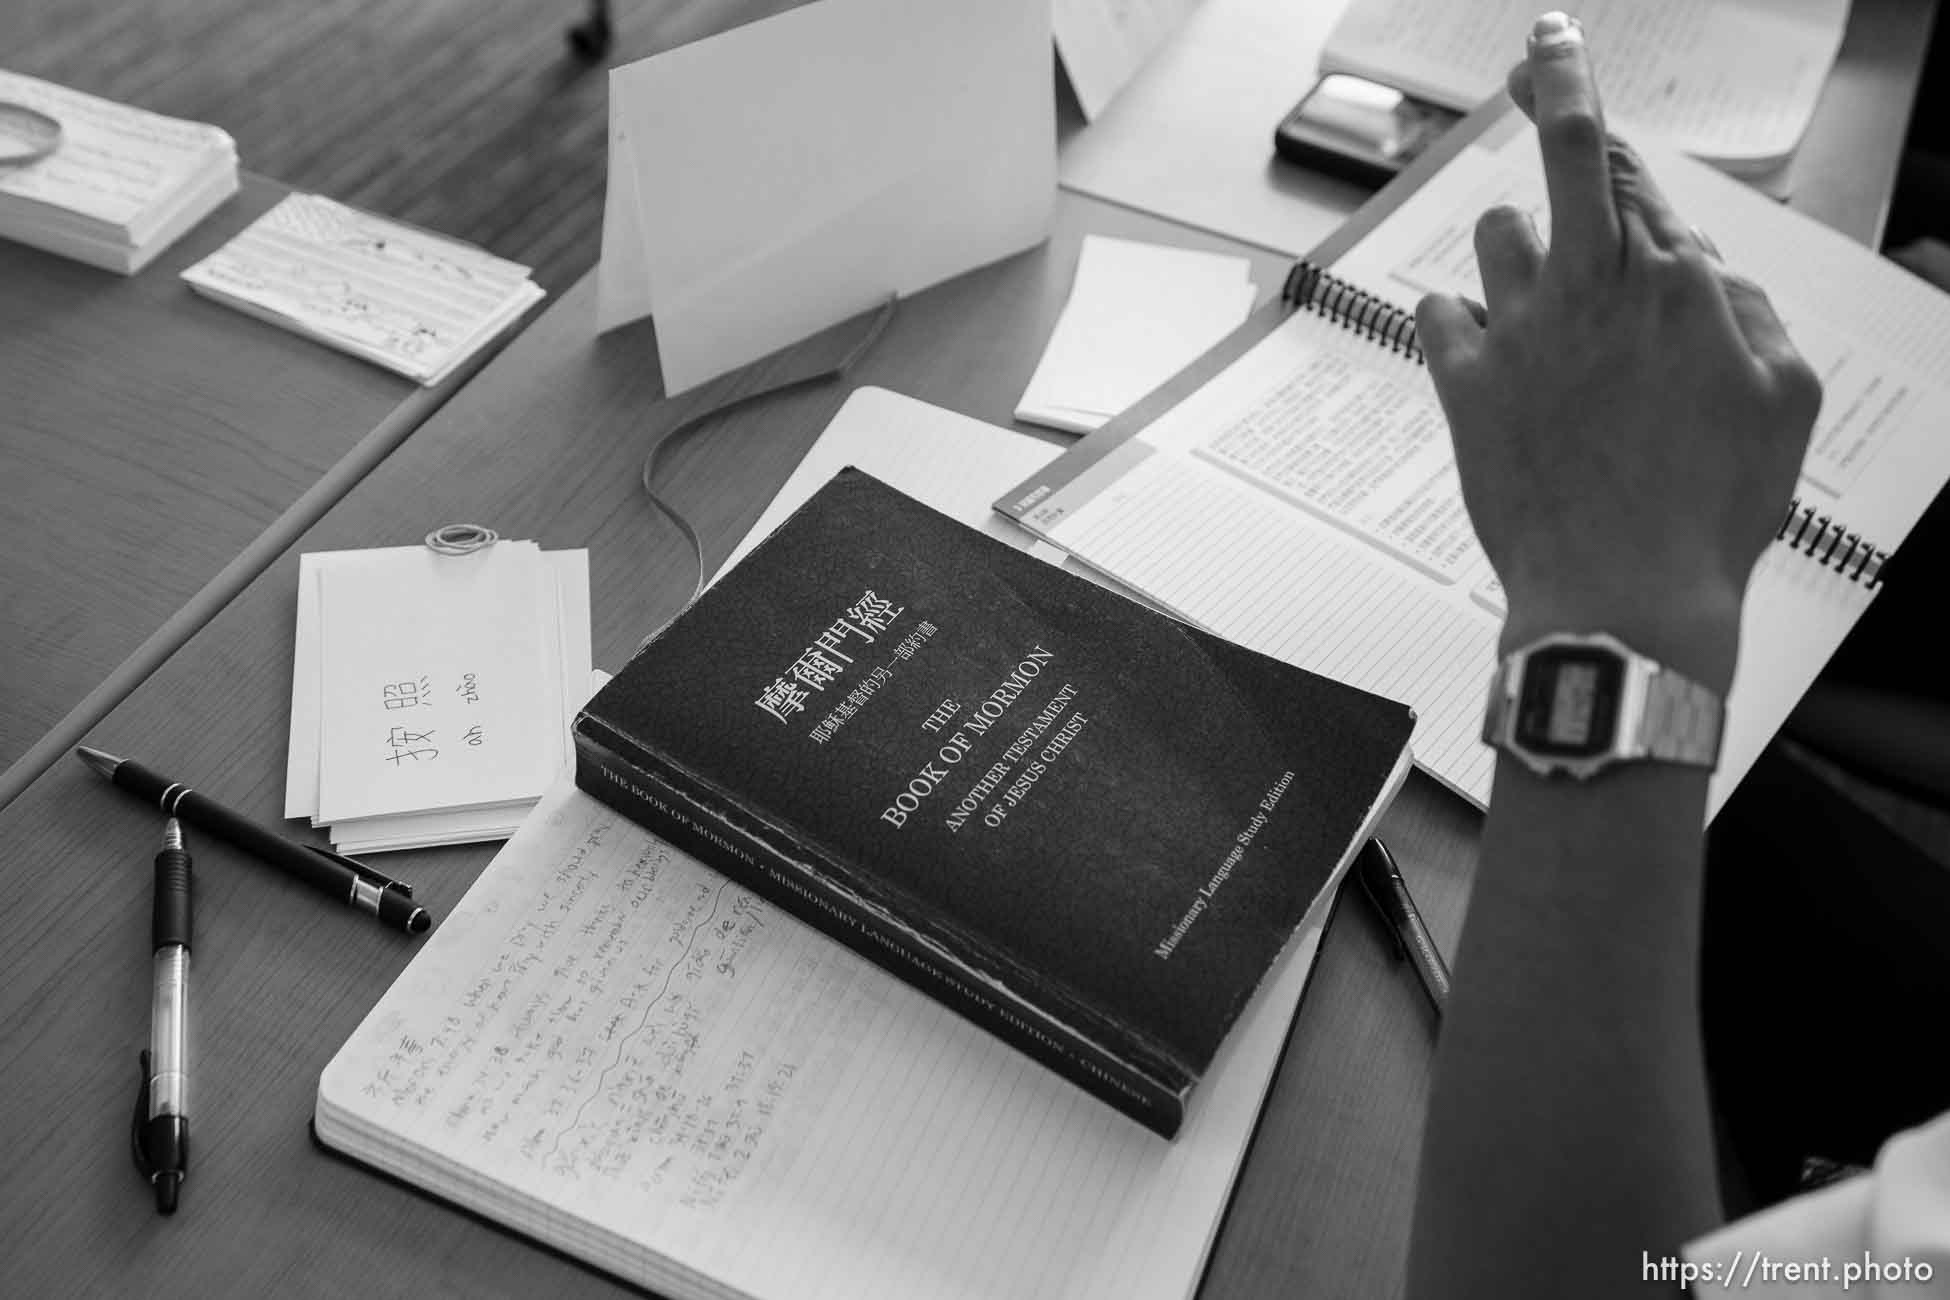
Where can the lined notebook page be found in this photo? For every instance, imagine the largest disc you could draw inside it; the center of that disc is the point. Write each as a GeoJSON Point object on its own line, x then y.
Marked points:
{"type": "Point", "coordinates": [1302, 504]}
{"type": "Point", "coordinates": [412, 302]}
{"type": "Point", "coordinates": [1878, 335]}
{"type": "Point", "coordinates": [611, 1048]}
{"type": "Point", "coordinates": [1304, 501]}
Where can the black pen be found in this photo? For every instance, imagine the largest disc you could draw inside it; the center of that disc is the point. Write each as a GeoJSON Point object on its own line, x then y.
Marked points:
{"type": "Point", "coordinates": [1381, 881]}
{"type": "Point", "coordinates": [161, 1135]}
{"type": "Point", "coordinates": [346, 879]}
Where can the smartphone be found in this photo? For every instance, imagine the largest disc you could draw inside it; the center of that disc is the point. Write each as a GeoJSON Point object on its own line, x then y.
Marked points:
{"type": "Point", "coordinates": [1359, 129]}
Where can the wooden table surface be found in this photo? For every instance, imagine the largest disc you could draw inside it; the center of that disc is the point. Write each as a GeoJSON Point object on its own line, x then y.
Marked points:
{"type": "Point", "coordinates": [547, 443]}
{"type": "Point", "coordinates": [147, 437]}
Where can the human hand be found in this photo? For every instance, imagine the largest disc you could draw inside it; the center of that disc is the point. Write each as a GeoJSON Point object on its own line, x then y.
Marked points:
{"type": "Point", "coordinates": [1628, 419]}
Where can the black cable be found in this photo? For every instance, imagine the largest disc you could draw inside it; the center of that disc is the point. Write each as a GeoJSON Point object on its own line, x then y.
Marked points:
{"type": "Point", "coordinates": [875, 328]}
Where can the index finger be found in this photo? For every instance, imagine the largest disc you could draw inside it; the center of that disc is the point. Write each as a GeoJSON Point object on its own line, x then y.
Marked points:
{"type": "Point", "coordinates": [1571, 133]}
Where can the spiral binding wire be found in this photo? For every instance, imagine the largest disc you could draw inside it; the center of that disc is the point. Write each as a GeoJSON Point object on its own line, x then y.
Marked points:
{"type": "Point", "coordinates": [1824, 540]}
{"type": "Point", "coordinates": [1316, 289]}
{"type": "Point", "coordinates": [1312, 287]}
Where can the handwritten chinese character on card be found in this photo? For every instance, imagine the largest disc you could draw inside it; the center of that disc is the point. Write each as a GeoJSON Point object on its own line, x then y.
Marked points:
{"type": "Point", "coordinates": [436, 684]}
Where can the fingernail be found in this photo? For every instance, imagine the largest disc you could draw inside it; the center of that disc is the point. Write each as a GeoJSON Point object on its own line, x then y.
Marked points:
{"type": "Point", "coordinates": [1555, 28]}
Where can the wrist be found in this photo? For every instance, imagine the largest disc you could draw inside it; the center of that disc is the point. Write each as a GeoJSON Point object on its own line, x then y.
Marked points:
{"type": "Point", "coordinates": [1696, 635]}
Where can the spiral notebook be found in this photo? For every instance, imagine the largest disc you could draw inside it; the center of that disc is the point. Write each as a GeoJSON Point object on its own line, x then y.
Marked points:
{"type": "Point", "coordinates": [1295, 490]}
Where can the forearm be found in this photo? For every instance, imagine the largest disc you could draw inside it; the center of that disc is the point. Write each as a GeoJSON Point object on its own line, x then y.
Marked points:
{"type": "Point", "coordinates": [1568, 1131]}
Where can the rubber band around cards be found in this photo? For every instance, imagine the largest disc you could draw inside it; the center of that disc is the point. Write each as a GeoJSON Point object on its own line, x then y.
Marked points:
{"type": "Point", "coordinates": [461, 539]}
{"type": "Point", "coordinates": [26, 135]}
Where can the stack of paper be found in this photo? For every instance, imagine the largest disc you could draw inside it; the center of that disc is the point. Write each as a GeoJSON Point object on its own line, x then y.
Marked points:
{"type": "Point", "coordinates": [431, 694]}
{"type": "Point", "coordinates": [415, 303]}
{"type": "Point", "coordinates": [1137, 315]}
{"type": "Point", "coordinates": [122, 185]}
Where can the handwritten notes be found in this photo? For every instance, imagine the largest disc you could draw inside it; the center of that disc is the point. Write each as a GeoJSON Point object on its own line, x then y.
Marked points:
{"type": "Point", "coordinates": [1729, 80]}
{"type": "Point", "coordinates": [616, 1050]}
{"type": "Point", "coordinates": [412, 302]}
{"type": "Point", "coordinates": [122, 184]}
{"type": "Point", "coordinates": [591, 1053]}
{"type": "Point", "coordinates": [431, 693]}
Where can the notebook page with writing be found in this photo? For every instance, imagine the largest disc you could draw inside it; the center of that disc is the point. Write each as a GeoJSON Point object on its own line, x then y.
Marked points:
{"type": "Point", "coordinates": [611, 1048]}
{"type": "Point", "coordinates": [1248, 508]}
{"type": "Point", "coordinates": [1878, 336]}
{"type": "Point", "coordinates": [1734, 80]}
{"type": "Point", "coordinates": [1300, 502]}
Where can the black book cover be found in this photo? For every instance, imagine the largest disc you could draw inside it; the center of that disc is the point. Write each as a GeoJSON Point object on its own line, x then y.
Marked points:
{"type": "Point", "coordinates": [1086, 826]}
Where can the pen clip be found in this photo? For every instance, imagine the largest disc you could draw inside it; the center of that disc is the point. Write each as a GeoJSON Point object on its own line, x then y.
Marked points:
{"type": "Point", "coordinates": [1380, 905]}
{"type": "Point", "coordinates": [363, 871]}
{"type": "Point", "coordinates": [143, 1165]}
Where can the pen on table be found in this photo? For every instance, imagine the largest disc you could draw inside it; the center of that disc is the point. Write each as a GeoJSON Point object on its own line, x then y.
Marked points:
{"type": "Point", "coordinates": [346, 879]}
{"type": "Point", "coordinates": [161, 1125]}
{"type": "Point", "coordinates": [1381, 881]}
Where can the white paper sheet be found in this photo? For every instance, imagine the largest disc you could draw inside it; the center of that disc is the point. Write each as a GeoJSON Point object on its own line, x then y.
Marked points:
{"type": "Point", "coordinates": [783, 176]}
{"type": "Point", "coordinates": [1137, 314]}
{"type": "Point", "coordinates": [434, 685]}
{"type": "Point", "coordinates": [562, 621]}
{"type": "Point", "coordinates": [1191, 137]}
{"type": "Point", "coordinates": [950, 462]}
{"type": "Point", "coordinates": [1103, 43]}
{"type": "Point", "coordinates": [1729, 80]}
{"type": "Point", "coordinates": [735, 1105]}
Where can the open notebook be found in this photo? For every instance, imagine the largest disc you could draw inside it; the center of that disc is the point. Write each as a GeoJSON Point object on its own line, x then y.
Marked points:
{"type": "Point", "coordinates": [1295, 490]}
{"type": "Point", "coordinates": [611, 1049]}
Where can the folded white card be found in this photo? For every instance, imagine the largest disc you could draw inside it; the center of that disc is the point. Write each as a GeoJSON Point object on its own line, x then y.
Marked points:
{"type": "Point", "coordinates": [774, 180]}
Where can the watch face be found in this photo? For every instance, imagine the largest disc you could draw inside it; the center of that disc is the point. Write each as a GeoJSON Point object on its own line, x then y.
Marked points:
{"type": "Point", "coordinates": [1569, 704]}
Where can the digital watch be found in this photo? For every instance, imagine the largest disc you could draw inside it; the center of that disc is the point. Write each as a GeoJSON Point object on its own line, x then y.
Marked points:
{"type": "Point", "coordinates": [1574, 703]}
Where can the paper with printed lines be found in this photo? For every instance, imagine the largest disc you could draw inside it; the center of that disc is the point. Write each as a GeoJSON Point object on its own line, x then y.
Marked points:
{"type": "Point", "coordinates": [415, 303]}
{"type": "Point", "coordinates": [1304, 501]}
{"type": "Point", "coordinates": [614, 1049]}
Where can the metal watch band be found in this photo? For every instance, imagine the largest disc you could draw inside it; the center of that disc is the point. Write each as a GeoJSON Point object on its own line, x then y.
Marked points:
{"type": "Point", "coordinates": [1683, 720]}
